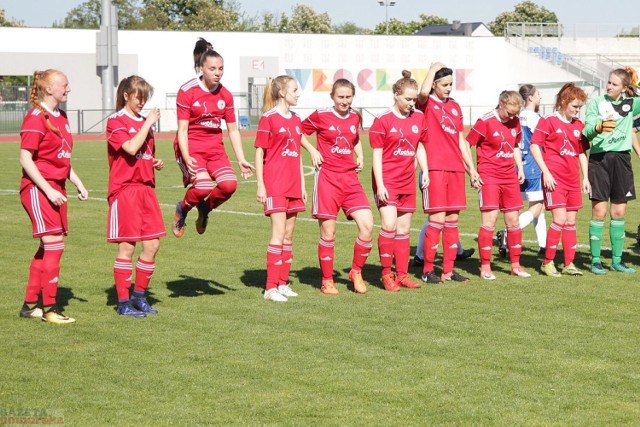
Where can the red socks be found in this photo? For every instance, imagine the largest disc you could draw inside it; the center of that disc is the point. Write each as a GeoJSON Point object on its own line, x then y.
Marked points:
{"type": "Point", "coordinates": [386, 244]}
{"type": "Point", "coordinates": [361, 250]}
{"type": "Point", "coordinates": [34, 285]}
{"type": "Point", "coordinates": [431, 242]}
{"type": "Point", "coordinates": [274, 262]}
{"type": "Point", "coordinates": [50, 271]}
{"type": "Point", "coordinates": [485, 244]}
{"type": "Point", "coordinates": [449, 245]}
{"type": "Point", "coordinates": [569, 243]}
{"type": "Point", "coordinates": [325, 256]}
{"type": "Point", "coordinates": [553, 238]}
{"type": "Point", "coordinates": [144, 271]}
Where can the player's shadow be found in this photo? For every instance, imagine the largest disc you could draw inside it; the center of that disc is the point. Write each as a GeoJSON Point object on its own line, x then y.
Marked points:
{"type": "Point", "coordinates": [112, 297]}
{"type": "Point", "coordinates": [254, 278]}
{"type": "Point", "coordinates": [188, 286]}
{"type": "Point", "coordinates": [63, 297]}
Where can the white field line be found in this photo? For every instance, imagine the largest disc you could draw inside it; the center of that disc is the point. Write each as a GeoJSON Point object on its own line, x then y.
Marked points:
{"type": "Point", "coordinates": [5, 192]}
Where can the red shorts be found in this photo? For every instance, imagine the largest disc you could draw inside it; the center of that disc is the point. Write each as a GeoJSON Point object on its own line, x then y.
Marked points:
{"type": "Point", "coordinates": [402, 202]}
{"type": "Point", "coordinates": [446, 192]}
{"type": "Point", "coordinates": [563, 198]}
{"type": "Point", "coordinates": [217, 166]}
{"type": "Point", "coordinates": [505, 197]}
{"type": "Point", "coordinates": [277, 204]}
{"type": "Point", "coordinates": [134, 215]}
{"type": "Point", "coordinates": [46, 218]}
{"type": "Point", "coordinates": [335, 190]}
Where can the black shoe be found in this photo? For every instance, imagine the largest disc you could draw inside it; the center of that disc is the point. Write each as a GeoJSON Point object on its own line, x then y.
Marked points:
{"type": "Point", "coordinates": [127, 309]}
{"type": "Point", "coordinates": [417, 261]}
{"type": "Point", "coordinates": [141, 304]}
{"type": "Point", "coordinates": [542, 251]}
{"type": "Point", "coordinates": [466, 253]}
{"type": "Point", "coordinates": [431, 277]}
{"type": "Point", "coordinates": [455, 277]}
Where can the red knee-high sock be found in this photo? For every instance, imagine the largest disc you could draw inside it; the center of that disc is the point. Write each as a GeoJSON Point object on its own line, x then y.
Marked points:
{"type": "Point", "coordinates": [325, 256]}
{"type": "Point", "coordinates": [361, 250]}
{"type": "Point", "coordinates": [122, 270]}
{"type": "Point", "coordinates": [514, 242]}
{"type": "Point", "coordinates": [200, 189]}
{"type": "Point", "coordinates": [449, 245]}
{"type": "Point", "coordinates": [34, 285]}
{"type": "Point", "coordinates": [401, 252]}
{"type": "Point", "coordinates": [431, 242]}
{"type": "Point", "coordinates": [553, 238]}
{"type": "Point", "coordinates": [485, 244]}
{"type": "Point", "coordinates": [287, 260]}
{"type": "Point", "coordinates": [144, 272]}
{"type": "Point", "coordinates": [227, 185]}
{"type": "Point", "coordinates": [569, 243]}
{"type": "Point", "coordinates": [274, 262]}
{"type": "Point", "coordinates": [386, 243]}
{"type": "Point", "coordinates": [50, 271]}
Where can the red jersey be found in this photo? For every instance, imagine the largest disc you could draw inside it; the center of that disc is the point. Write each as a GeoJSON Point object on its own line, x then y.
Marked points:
{"type": "Point", "coordinates": [125, 169]}
{"type": "Point", "coordinates": [495, 142]}
{"type": "Point", "coordinates": [337, 136]}
{"type": "Point", "coordinates": [205, 111]}
{"type": "Point", "coordinates": [51, 149]}
{"type": "Point", "coordinates": [444, 119]}
{"type": "Point", "coordinates": [279, 137]}
{"type": "Point", "coordinates": [562, 142]}
{"type": "Point", "coordinates": [399, 138]}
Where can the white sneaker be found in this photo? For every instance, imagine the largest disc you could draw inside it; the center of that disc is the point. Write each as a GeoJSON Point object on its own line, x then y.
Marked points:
{"type": "Point", "coordinates": [487, 275]}
{"type": "Point", "coordinates": [286, 291]}
{"type": "Point", "coordinates": [274, 295]}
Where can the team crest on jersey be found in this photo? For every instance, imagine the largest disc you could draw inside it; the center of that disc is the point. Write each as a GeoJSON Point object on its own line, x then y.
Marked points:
{"type": "Point", "coordinates": [414, 128]}
{"type": "Point", "coordinates": [626, 108]}
{"type": "Point", "coordinates": [298, 130]}
{"type": "Point", "coordinates": [353, 129]}
{"type": "Point", "coordinates": [513, 132]}
{"type": "Point", "coordinates": [67, 128]}
{"type": "Point", "coordinates": [576, 133]}
{"type": "Point", "coordinates": [454, 112]}
{"type": "Point", "coordinates": [221, 104]}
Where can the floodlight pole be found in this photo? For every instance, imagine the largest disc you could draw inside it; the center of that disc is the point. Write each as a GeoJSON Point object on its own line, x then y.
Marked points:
{"type": "Point", "coordinates": [107, 52]}
{"type": "Point", "coordinates": [386, 4]}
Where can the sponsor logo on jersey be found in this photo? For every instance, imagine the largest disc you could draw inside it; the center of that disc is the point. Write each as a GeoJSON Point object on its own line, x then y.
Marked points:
{"type": "Point", "coordinates": [567, 149]}
{"type": "Point", "coordinates": [207, 120]}
{"type": "Point", "coordinates": [143, 156]}
{"type": "Point", "coordinates": [505, 151]}
{"type": "Point", "coordinates": [332, 127]}
{"type": "Point", "coordinates": [447, 125]}
{"type": "Point", "coordinates": [404, 147]}
{"type": "Point", "coordinates": [64, 152]}
{"type": "Point", "coordinates": [282, 130]}
{"type": "Point", "coordinates": [132, 130]}
{"type": "Point", "coordinates": [393, 130]}
{"type": "Point", "coordinates": [290, 149]}
{"type": "Point", "coordinates": [196, 104]}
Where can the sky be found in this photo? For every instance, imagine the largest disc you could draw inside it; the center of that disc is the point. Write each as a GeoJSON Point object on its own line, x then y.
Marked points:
{"type": "Point", "coordinates": [368, 13]}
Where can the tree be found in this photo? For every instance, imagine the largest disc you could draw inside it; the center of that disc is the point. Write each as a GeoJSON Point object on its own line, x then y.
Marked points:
{"type": "Point", "coordinates": [267, 22]}
{"type": "Point", "coordinates": [398, 27]}
{"type": "Point", "coordinates": [5, 22]}
{"type": "Point", "coordinates": [87, 15]}
{"type": "Point", "coordinates": [526, 11]}
{"type": "Point", "coordinates": [304, 19]}
{"type": "Point", "coordinates": [350, 28]}
{"type": "Point", "coordinates": [212, 15]}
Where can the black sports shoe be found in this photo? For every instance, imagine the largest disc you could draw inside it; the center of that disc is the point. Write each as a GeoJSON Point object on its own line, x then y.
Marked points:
{"type": "Point", "coordinates": [502, 248]}
{"type": "Point", "coordinates": [417, 261]}
{"type": "Point", "coordinates": [542, 251]}
{"type": "Point", "coordinates": [454, 277]}
{"type": "Point", "coordinates": [126, 309]}
{"type": "Point", "coordinates": [466, 253]}
{"type": "Point", "coordinates": [30, 311]}
{"type": "Point", "coordinates": [431, 277]}
{"type": "Point", "coordinates": [141, 304]}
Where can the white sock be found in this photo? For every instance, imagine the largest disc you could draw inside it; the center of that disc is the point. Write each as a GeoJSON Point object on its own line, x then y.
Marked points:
{"type": "Point", "coordinates": [540, 225]}
{"type": "Point", "coordinates": [525, 219]}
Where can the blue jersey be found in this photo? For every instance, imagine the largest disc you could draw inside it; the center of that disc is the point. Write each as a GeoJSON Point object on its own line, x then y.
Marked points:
{"type": "Point", "coordinates": [528, 121]}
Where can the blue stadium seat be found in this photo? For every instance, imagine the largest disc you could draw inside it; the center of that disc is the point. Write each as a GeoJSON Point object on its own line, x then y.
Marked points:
{"type": "Point", "coordinates": [244, 122]}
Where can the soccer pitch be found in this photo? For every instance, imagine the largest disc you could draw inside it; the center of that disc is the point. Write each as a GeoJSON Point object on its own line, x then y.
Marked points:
{"type": "Point", "coordinates": [513, 351]}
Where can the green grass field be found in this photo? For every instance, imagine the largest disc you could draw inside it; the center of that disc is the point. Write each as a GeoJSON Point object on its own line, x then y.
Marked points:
{"type": "Point", "coordinates": [509, 352]}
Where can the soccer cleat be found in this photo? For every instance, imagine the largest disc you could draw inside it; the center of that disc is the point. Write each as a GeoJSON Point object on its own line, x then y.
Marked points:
{"type": "Point", "coordinates": [141, 304]}
{"type": "Point", "coordinates": [359, 287]}
{"type": "Point", "coordinates": [486, 274]}
{"type": "Point", "coordinates": [571, 270]}
{"type": "Point", "coordinates": [466, 253]}
{"type": "Point", "coordinates": [501, 237]}
{"type": "Point", "coordinates": [622, 268]}
{"type": "Point", "coordinates": [550, 270]}
{"type": "Point", "coordinates": [519, 271]}
{"type": "Point", "coordinates": [127, 309]}
{"type": "Point", "coordinates": [431, 277]}
{"type": "Point", "coordinates": [328, 288]}
{"type": "Point", "coordinates": [407, 282]}
{"type": "Point", "coordinates": [453, 277]}
{"type": "Point", "coordinates": [178, 221]}
{"type": "Point", "coordinates": [55, 316]}
{"type": "Point", "coordinates": [389, 282]}
{"type": "Point", "coordinates": [273, 295]}
{"type": "Point", "coordinates": [203, 217]}
{"type": "Point", "coordinates": [27, 312]}
{"type": "Point", "coordinates": [417, 261]}
{"type": "Point", "coordinates": [286, 290]}
{"type": "Point", "coordinates": [598, 269]}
